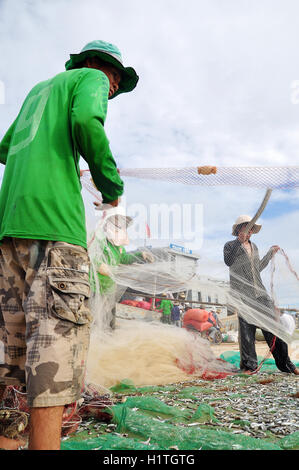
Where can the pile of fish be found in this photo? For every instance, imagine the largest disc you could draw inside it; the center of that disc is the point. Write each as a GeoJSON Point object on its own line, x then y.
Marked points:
{"type": "Point", "coordinates": [262, 406]}
{"type": "Point", "coordinates": [256, 406]}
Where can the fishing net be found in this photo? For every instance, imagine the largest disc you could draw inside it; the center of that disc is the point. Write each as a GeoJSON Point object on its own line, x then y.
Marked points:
{"type": "Point", "coordinates": [256, 177]}
{"type": "Point", "coordinates": [133, 284]}
{"type": "Point", "coordinates": [152, 354]}
{"type": "Point", "coordinates": [165, 434]}
{"type": "Point", "coordinates": [148, 423]}
{"type": "Point", "coordinates": [164, 275]}
{"type": "Point", "coordinates": [268, 363]}
{"type": "Point", "coordinates": [151, 273]}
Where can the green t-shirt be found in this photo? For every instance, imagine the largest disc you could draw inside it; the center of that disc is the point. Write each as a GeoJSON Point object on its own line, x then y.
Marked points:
{"type": "Point", "coordinates": [113, 255]}
{"type": "Point", "coordinates": [166, 306]}
{"type": "Point", "coordinates": [61, 119]}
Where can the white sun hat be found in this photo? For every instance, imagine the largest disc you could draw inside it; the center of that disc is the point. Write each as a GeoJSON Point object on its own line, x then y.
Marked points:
{"type": "Point", "coordinates": [116, 215]}
{"type": "Point", "coordinates": [245, 219]}
{"type": "Point", "coordinates": [113, 225]}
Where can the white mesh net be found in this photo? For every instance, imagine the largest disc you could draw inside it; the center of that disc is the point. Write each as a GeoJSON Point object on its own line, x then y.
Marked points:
{"type": "Point", "coordinates": [146, 277]}
{"type": "Point", "coordinates": [256, 177]}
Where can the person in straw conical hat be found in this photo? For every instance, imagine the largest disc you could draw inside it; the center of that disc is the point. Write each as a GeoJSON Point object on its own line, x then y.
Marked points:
{"type": "Point", "coordinates": [241, 255]}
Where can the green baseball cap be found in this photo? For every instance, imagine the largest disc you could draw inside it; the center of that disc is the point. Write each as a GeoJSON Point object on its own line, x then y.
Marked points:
{"type": "Point", "coordinates": [109, 54]}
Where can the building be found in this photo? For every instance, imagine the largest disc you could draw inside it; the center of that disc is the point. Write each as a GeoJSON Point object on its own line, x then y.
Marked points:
{"type": "Point", "coordinates": [205, 293]}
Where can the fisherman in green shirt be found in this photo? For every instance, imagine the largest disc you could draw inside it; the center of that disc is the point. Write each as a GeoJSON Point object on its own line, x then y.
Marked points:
{"type": "Point", "coordinates": [44, 265]}
{"type": "Point", "coordinates": [108, 252]}
{"type": "Point", "coordinates": [165, 307]}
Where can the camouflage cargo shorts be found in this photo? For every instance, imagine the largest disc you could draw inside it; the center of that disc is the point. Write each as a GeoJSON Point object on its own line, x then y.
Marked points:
{"type": "Point", "coordinates": [44, 318]}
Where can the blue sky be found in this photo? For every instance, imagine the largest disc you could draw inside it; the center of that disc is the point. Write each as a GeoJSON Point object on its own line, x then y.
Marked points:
{"type": "Point", "coordinates": [218, 85]}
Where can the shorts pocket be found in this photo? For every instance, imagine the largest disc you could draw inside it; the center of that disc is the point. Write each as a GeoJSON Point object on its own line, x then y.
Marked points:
{"type": "Point", "coordinates": [69, 298]}
{"type": "Point", "coordinates": [68, 283]}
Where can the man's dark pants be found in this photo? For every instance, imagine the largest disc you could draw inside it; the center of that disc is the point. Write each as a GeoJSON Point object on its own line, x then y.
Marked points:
{"type": "Point", "coordinates": [248, 355]}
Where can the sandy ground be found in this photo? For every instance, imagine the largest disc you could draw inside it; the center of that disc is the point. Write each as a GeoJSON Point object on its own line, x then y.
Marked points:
{"type": "Point", "coordinates": [261, 349]}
